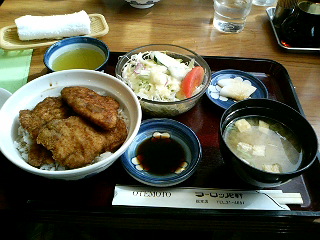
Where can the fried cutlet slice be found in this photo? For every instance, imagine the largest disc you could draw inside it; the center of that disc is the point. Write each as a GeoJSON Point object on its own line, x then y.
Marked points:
{"type": "Point", "coordinates": [115, 137]}
{"type": "Point", "coordinates": [75, 142]}
{"type": "Point", "coordinates": [50, 108]}
{"type": "Point", "coordinates": [101, 110]}
{"type": "Point", "coordinates": [39, 155]}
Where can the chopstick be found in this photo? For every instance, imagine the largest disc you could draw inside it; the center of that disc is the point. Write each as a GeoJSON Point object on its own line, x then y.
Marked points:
{"type": "Point", "coordinates": [286, 198]}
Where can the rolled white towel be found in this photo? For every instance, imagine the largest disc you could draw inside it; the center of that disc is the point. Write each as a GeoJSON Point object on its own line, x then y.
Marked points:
{"type": "Point", "coordinates": [56, 26]}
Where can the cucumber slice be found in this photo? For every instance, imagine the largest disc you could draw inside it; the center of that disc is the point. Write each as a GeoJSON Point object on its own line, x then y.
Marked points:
{"type": "Point", "coordinates": [165, 60]}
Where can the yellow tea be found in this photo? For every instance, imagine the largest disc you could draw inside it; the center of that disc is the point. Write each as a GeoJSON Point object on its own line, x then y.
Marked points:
{"type": "Point", "coordinates": [80, 58]}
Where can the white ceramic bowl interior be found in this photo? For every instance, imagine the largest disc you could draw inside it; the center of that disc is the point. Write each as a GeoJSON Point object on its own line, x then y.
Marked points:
{"type": "Point", "coordinates": [51, 85]}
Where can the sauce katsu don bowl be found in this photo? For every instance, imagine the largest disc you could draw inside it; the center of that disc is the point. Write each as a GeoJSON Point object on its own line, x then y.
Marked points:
{"type": "Point", "coordinates": [266, 142]}
{"type": "Point", "coordinates": [69, 124]}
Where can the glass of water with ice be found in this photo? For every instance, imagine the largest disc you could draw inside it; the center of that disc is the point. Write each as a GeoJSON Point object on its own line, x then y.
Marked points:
{"type": "Point", "coordinates": [230, 15]}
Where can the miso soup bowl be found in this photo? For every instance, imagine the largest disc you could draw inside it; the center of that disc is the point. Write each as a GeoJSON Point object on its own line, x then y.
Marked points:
{"type": "Point", "coordinates": [282, 113]}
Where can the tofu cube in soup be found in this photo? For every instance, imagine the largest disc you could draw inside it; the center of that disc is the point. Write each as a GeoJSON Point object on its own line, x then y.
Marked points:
{"type": "Point", "coordinates": [244, 147]}
{"type": "Point", "coordinates": [263, 127]}
{"type": "Point", "coordinates": [259, 150]}
{"type": "Point", "coordinates": [275, 168]}
{"type": "Point", "coordinates": [243, 125]}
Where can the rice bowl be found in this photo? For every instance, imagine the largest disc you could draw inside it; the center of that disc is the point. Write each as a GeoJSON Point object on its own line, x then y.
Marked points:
{"type": "Point", "coordinates": [50, 85]}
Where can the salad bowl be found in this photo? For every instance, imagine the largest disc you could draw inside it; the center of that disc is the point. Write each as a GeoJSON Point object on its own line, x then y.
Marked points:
{"type": "Point", "coordinates": [168, 79]}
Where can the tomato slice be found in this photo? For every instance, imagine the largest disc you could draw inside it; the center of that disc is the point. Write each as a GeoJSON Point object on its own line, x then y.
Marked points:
{"type": "Point", "coordinates": [191, 81]}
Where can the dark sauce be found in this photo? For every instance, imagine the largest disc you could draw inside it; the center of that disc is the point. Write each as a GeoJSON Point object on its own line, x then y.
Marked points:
{"type": "Point", "coordinates": [160, 156]}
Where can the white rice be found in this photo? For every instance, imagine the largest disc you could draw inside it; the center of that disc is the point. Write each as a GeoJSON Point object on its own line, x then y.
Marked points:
{"type": "Point", "coordinates": [23, 144]}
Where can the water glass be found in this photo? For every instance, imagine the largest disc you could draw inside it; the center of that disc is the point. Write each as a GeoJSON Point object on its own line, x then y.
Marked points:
{"type": "Point", "coordinates": [230, 15]}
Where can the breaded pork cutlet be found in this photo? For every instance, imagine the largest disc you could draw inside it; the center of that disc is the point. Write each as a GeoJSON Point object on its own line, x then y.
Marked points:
{"type": "Point", "coordinates": [75, 142]}
{"type": "Point", "coordinates": [32, 121]}
{"type": "Point", "coordinates": [50, 108]}
{"type": "Point", "coordinates": [39, 155]}
{"type": "Point", "coordinates": [116, 136]}
{"type": "Point", "coordinates": [100, 110]}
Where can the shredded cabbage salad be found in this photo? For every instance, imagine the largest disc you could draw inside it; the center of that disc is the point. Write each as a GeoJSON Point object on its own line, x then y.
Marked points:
{"type": "Point", "coordinates": [155, 75]}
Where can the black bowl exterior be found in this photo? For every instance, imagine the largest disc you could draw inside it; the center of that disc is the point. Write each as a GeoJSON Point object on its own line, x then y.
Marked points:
{"type": "Point", "coordinates": [282, 113]}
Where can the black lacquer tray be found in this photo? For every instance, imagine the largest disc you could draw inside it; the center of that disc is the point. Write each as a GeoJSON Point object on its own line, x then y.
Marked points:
{"type": "Point", "coordinates": [31, 198]}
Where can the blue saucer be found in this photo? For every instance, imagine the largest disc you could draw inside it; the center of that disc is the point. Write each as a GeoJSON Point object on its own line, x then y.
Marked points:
{"type": "Point", "coordinates": [261, 91]}
{"type": "Point", "coordinates": [177, 131]}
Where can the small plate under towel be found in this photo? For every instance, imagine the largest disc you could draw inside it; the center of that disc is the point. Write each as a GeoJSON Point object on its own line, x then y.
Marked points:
{"type": "Point", "coordinates": [9, 38]}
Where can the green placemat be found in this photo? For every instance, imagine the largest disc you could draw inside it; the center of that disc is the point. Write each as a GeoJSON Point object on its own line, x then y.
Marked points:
{"type": "Point", "coordinates": [14, 68]}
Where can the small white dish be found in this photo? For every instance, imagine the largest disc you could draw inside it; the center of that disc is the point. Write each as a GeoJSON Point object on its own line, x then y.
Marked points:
{"type": "Point", "coordinates": [4, 95]}
{"type": "Point", "coordinates": [142, 4]}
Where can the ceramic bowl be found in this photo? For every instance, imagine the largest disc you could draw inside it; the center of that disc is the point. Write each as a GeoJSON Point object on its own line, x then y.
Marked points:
{"type": "Point", "coordinates": [142, 4]}
{"type": "Point", "coordinates": [173, 108]}
{"type": "Point", "coordinates": [74, 43]}
{"type": "Point", "coordinates": [51, 85]}
{"type": "Point", "coordinates": [159, 172]}
{"type": "Point", "coordinates": [282, 113]}
{"type": "Point", "coordinates": [4, 95]}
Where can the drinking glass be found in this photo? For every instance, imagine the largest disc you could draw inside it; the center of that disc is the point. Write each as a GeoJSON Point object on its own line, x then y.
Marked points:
{"type": "Point", "coordinates": [230, 15]}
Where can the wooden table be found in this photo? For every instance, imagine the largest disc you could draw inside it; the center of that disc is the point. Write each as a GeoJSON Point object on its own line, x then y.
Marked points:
{"type": "Point", "coordinates": [187, 23]}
